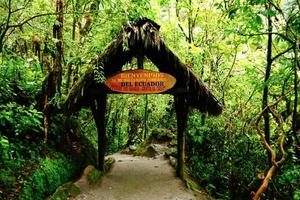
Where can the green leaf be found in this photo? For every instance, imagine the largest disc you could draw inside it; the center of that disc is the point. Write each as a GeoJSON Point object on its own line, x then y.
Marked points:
{"type": "Point", "coordinates": [268, 12]}
{"type": "Point", "coordinates": [258, 20]}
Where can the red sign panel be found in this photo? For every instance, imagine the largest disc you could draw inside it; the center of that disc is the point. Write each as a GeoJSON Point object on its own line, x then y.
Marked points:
{"type": "Point", "coordinates": [140, 82]}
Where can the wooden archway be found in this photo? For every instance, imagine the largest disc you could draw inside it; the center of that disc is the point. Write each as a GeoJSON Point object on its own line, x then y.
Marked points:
{"type": "Point", "coordinates": [139, 39]}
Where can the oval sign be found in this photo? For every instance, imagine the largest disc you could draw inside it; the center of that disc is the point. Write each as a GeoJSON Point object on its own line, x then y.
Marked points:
{"type": "Point", "coordinates": [140, 82]}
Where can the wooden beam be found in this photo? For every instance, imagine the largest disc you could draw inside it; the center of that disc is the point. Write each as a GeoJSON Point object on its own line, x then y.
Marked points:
{"type": "Point", "coordinates": [181, 106]}
{"type": "Point", "coordinates": [99, 108]}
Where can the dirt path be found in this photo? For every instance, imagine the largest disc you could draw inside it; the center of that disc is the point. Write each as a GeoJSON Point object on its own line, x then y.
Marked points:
{"type": "Point", "coordinates": [139, 178]}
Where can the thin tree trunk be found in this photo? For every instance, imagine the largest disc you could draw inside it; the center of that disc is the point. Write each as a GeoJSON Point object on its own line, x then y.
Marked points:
{"type": "Point", "coordinates": [5, 26]}
{"type": "Point", "coordinates": [295, 114]}
{"type": "Point", "coordinates": [46, 121]}
{"type": "Point", "coordinates": [266, 115]}
{"type": "Point", "coordinates": [58, 34]}
{"type": "Point", "coordinates": [74, 4]}
{"type": "Point", "coordinates": [69, 74]}
{"type": "Point", "coordinates": [190, 25]}
{"type": "Point", "coordinates": [52, 82]}
{"type": "Point", "coordinates": [1, 45]}
{"type": "Point", "coordinates": [70, 65]}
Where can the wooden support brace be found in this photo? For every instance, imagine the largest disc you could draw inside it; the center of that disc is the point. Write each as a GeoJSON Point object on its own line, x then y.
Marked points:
{"type": "Point", "coordinates": [99, 109]}
{"type": "Point", "coordinates": [181, 106]}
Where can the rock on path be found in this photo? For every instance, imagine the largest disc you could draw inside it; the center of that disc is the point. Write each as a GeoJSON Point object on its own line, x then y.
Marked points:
{"type": "Point", "coordinates": [139, 178]}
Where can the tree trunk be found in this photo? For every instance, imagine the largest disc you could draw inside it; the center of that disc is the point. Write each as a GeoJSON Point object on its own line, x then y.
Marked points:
{"type": "Point", "coordinates": [58, 57]}
{"type": "Point", "coordinates": [5, 26]}
{"type": "Point", "coordinates": [52, 82]}
{"type": "Point", "coordinates": [1, 45]}
{"type": "Point", "coordinates": [266, 115]}
{"type": "Point", "coordinates": [74, 5]}
{"type": "Point", "coordinates": [69, 74]}
{"type": "Point", "coordinates": [181, 106]}
{"type": "Point", "coordinates": [70, 65]}
{"type": "Point", "coordinates": [190, 25]}
{"type": "Point", "coordinates": [99, 109]}
{"type": "Point", "coordinates": [295, 114]}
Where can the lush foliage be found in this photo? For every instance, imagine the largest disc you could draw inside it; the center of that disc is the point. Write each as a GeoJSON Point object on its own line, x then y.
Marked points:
{"type": "Point", "coordinates": [245, 51]}
{"type": "Point", "coordinates": [52, 173]}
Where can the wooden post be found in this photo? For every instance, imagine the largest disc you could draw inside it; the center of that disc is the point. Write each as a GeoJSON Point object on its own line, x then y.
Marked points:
{"type": "Point", "coordinates": [181, 106]}
{"type": "Point", "coordinates": [99, 109]}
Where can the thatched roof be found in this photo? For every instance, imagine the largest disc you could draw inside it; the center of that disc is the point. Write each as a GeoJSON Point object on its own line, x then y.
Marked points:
{"type": "Point", "coordinates": [142, 38]}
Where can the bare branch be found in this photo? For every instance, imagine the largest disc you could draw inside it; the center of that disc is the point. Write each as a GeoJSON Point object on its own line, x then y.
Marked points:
{"type": "Point", "coordinates": [278, 9]}
{"type": "Point", "coordinates": [266, 33]}
{"type": "Point", "coordinates": [41, 15]}
{"type": "Point", "coordinates": [228, 74]}
{"type": "Point", "coordinates": [265, 183]}
{"type": "Point", "coordinates": [280, 54]}
{"type": "Point", "coordinates": [6, 27]}
{"type": "Point", "coordinates": [262, 135]}
{"type": "Point", "coordinates": [9, 14]}
{"type": "Point", "coordinates": [292, 17]}
{"type": "Point", "coordinates": [296, 49]}
{"type": "Point", "coordinates": [281, 141]}
{"type": "Point", "coordinates": [22, 8]}
{"type": "Point", "coordinates": [182, 30]}
{"type": "Point", "coordinates": [279, 121]}
{"type": "Point", "coordinates": [196, 17]}
{"type": "Point", "coordinates": [180, 26]}
{"type": "Point", "coordinates": [275, 163]}
{"type": "Point", "coordinates": [33, 17]}
{"type": "Point", "coordinates": [287, 21]}
{"type": "Point", "coordinates": [298, 3]}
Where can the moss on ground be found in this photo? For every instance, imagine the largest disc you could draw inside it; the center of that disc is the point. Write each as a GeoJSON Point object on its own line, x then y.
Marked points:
{"type": "Point", "coordinates": [65, 191]}
{"type": "Point", "coordinates": [54, 170]}
{"type": "Point", "coordinates": [93, 176]}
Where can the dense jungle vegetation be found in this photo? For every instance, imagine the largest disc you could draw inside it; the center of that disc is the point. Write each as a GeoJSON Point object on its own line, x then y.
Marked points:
{"type": "Point", "coordinates": [245, 51]}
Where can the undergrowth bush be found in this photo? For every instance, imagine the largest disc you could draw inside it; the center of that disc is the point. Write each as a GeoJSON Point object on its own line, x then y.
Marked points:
{"type": "Point", "coordinates": [221, 161]}
{"type": "Point", "coordinates": [227, 162]}
{"type": "Point", "coordinates": [18, 120]}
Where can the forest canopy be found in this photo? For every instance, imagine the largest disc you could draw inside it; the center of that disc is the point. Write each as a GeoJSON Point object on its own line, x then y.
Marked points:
{"type": "Point", "coordinates": [245, 52]}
